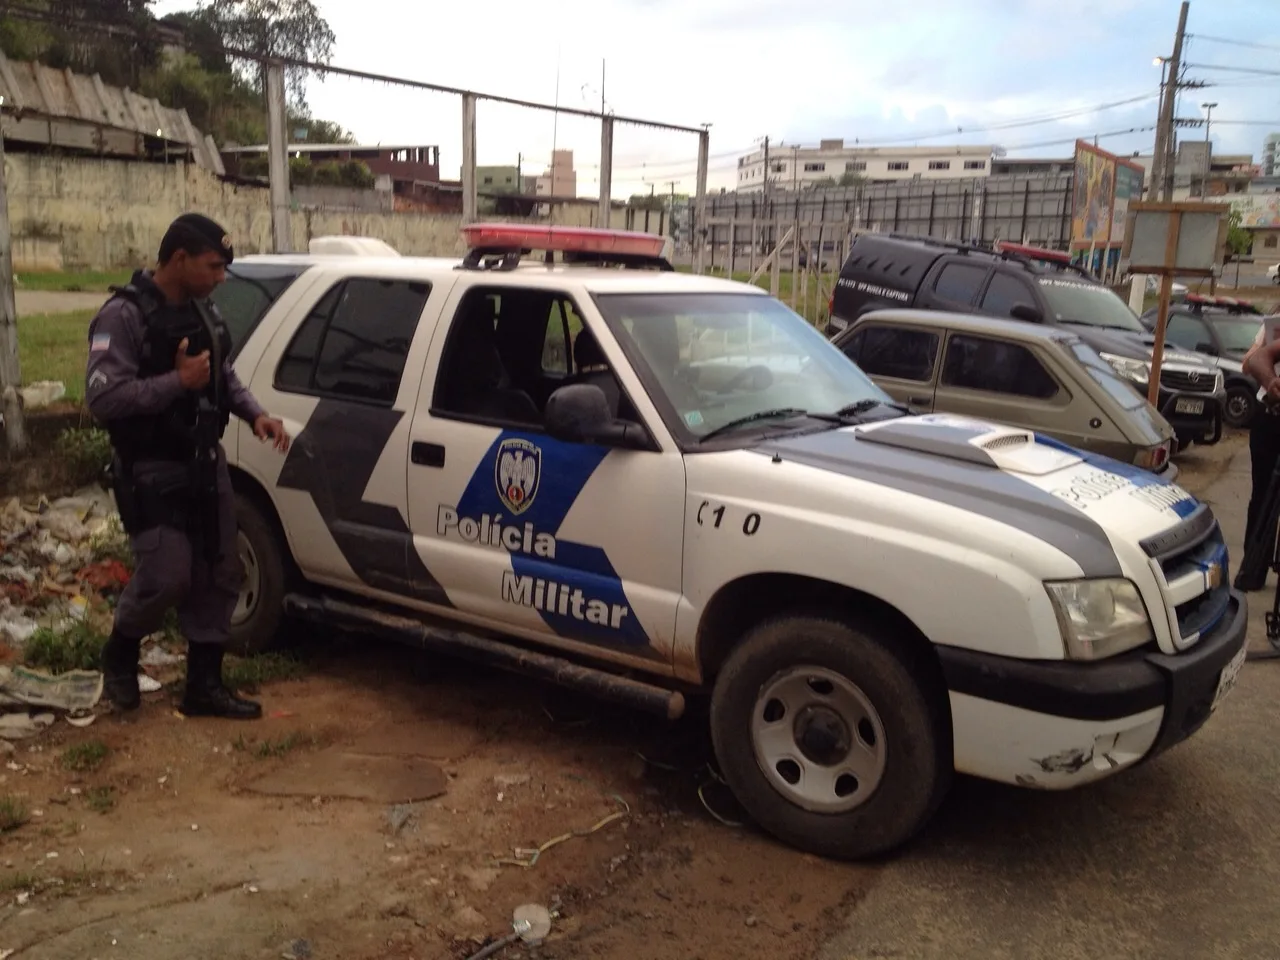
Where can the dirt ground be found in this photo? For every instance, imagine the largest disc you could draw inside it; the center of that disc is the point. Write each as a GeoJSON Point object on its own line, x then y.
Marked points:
{"type": "Point", "coordinates": [189, 861]}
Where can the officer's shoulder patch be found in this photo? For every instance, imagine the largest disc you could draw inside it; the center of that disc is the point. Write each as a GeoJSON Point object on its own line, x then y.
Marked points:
{"type": "Point", "coordinates": [100, 342]}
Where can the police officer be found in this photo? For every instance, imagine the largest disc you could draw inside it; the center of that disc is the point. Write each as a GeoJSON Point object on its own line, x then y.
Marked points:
{"type": "Point", "coordinates": [1264, 441]}
{"type": "Point", "coordinates": [159, 380]}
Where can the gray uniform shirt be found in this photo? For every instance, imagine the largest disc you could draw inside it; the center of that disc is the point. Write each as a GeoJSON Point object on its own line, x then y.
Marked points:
{"type": "Point", "coordinates": [113, 388]}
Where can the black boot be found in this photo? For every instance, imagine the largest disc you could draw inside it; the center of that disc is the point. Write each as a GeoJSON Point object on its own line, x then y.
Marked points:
{"type": "Point", "coordinates": [205, 694]}
{"type": "Point", "coordinates": [120, 671]}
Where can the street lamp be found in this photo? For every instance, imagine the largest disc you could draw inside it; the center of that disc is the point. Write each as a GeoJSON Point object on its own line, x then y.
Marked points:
{"type": "Point", "coordinates": [1159, 156]}
{"type": "Point", "coordinates": [1208, 147]}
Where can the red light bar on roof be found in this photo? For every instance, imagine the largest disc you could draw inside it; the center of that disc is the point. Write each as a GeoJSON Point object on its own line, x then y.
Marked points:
{"type": "Point", "coordinates": [522, 236]}
{"type": "Point", "coordinates": [1033, 253]}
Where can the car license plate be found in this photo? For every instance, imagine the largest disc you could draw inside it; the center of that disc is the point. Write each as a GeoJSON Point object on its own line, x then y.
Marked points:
{"type": "Point", "coordinates": [1192, 407]}
{"type": "Point", "coordinates": [1227, 679]}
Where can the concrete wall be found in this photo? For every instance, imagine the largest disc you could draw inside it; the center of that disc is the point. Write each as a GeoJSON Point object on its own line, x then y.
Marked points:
{"type": "Point", "coordinates": [73, 213]}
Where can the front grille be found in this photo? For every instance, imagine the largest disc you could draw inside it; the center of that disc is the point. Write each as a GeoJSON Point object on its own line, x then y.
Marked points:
{"type": "Point", "coordinates": [1191, 548]}
{"type": "Point", "coordinates": [1188, 381]}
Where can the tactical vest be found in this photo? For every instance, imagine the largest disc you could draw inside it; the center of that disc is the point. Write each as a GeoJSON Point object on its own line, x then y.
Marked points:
{"type": "Point", "coordinates": [171, 433]}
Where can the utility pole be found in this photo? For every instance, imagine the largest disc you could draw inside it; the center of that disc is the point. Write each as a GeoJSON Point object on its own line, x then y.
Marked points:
{"type": "Point", "coordinates": [15, 432]}
{"type": "Point", "coordinates": [1208, 150]}
{"type": "Point", "coordinates": [764, 212]}
{"type": "Point", "coordinates": [1165, 129]}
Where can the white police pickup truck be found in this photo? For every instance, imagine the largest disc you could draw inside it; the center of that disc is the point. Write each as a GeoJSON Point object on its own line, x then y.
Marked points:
{"type": "Point", "coordinates": [646, 484]}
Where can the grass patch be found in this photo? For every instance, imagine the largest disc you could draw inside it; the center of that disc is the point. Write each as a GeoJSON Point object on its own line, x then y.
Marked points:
{"type": "Point", "coordinates": [85, 757]}
{"type": "Point", "coordinates": [73, 281]}
{"type": "Point", "coordinates": [249, 673]}
{"type": "Point", "coordinates": [100, 799]}
{"type": "Point", "coordinates": [79, 647]}
{"type": "Point", "coordinates": [55, 346]}
{"type": "Point", "coordinates": [13, 814]}
{"type": "Point", "coordinates": [18, 881]}
{"type": "Point", "coordinates": [85, 453]}
{"type": "Point", "coordinates": [266, 749]}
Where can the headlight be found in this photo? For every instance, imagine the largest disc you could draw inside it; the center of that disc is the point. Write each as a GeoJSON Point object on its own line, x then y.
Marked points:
{"type": "Point", "coordinates": [1139, 371]}
{"type": "Point", "coordinates": [1099, 618]}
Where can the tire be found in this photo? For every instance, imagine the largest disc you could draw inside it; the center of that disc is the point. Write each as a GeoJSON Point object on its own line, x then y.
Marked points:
{"type": "Point", "coordinates": [883, 698]}
{"type": "Point", "coordinates": [1240, 407]}
{"type": "Point", "coordinates": [256, 623]}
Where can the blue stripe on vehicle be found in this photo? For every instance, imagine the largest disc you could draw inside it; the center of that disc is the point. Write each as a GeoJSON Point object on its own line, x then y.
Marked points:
{"type": "Point", "coordinates": [562, 472]}
{"type": "Point", "coordinates": [1134, 474]}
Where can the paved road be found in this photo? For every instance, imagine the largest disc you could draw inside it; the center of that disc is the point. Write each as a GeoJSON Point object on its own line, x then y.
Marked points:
{"type": "Point", "coordinates": [1177, 859]}
{"type": "Point", "coordinates": [31, 302]}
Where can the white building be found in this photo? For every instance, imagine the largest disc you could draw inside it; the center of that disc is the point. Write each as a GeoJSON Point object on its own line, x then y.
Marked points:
{"type": "Point", "coordinates": [1271, 155]}
{"type": "Point", "coordinates": [795, 168]}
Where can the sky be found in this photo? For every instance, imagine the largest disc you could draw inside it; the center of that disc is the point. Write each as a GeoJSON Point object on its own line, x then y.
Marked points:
{"type": "Point", "coordinates": [925, 72]}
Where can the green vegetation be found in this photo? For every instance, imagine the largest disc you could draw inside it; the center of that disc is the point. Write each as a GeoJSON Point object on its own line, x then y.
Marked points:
{"type": "Point", "coordinates": [302, 172]}
{"type": "Point", "coordinates": [18, 881]}
{"type": "Point", "coordinates": [55, 346]}
{"type": "Point", "coordinates": [249, 673]}
{"type": "Point", "coordinates": [13, 814]}
{"type": "Point", "coordinates": [85, 757]}
{"type": "Point", "coordinates": [79, 647]}
{"type": "Point", "coordinates": [74, 281]}
{"type": "Point", "coordinates": [84, 453]}
{"type": "Point", "coordinates": [100, 799]}
{"type": "Point", "coordinates": [121, 41]}
{"type": "Point", "coordinates": [267, 749]}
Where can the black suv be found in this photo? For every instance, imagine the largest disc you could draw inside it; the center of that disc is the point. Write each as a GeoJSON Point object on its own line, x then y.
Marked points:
{"type": "Point", "coordinates": [1030, 284]}
{"type": "Point", "coordinates": [1221, 330]}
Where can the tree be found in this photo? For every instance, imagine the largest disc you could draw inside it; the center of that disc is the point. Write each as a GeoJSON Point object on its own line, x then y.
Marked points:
{"type": "Point", "coordinates": [851, 179]}
{"type": "Point", "coordinates": [290, 29]}
{"type": "Point", "coordinates": [1239, 240]}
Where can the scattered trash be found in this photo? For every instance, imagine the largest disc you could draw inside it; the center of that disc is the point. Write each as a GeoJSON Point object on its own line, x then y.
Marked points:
{"type": "Point", "coordinates": [508, 780]}
{"type": "Point", "coordinates": [148, 684]}
{"type": "Point", "coordinates": [42, 393]}
{"type": "Point", "coordinates": [702, 797]}
{"type": "Point", "coordinates": [399, 816]}
{"type": "Point", "coordinates": [105, 576]}
{"type": "Point", "coordinates": [158, 656]}
{"type": "Point", "coordinates": [73, 692]}
{"type": "Point", "coordinates": [530, 923]}
{"type": "Point", "coordinates": [18, 629]}
{"type": "Point", "coordinates": [82, 721]}
{"type": "Point", "coordinates": [527, 858]}
{"type": "Point", "coordinates": [20, 726]}
{"type": "Point", "coordinates": [298, 950]}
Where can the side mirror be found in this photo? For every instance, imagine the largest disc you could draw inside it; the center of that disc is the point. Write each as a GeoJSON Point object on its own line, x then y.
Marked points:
{"type": "Point", "coordinates": [579, 413]}
{"type": "Point", "coordinates": [1027, 313]}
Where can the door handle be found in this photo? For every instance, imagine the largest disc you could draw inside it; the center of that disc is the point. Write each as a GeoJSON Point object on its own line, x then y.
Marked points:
{"type": "Point", "coordinates": [427, 454]}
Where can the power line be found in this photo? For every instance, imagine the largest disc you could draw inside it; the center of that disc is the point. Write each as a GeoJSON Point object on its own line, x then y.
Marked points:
{"type": "Point", "coordinates": [1233, 43]}
{"type": "Point", "coordinates": [1258, 71]}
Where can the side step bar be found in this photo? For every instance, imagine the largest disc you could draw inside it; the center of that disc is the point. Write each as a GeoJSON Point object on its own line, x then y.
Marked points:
{"type": "Point", "coordinates": [646, 697]}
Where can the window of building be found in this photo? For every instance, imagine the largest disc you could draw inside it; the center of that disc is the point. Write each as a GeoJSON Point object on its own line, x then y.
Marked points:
{"type": "Point", "coordinates": [354, 343]}
{"type": "Point", "coordinates": [975, 164]}
{"type": "Point", "coordinates": [779, 168]}
{"type": "Point", "coordinates": [897, 352]}
{"type": "Point", "coordinates": [1270, 242]}
{"type": "Point", "coordinates": [959, 282]}
{"type": "Point", "coordinates": [899, 165]}
{"type": "Point", "coordinates": [488, 181]}
{"type": "Point", "coordinates": [977, 363]}
{"type": "Point", "coordinates": [855, 166]}
{"type": "Point", "coordinates": [1003, 292]}
{"type": "Point", "coordinates": [815, 167]}
{"type": "Point", "coordinates": [939, 164]}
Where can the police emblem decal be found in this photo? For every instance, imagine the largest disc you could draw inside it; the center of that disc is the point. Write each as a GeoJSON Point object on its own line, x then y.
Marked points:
{"type": "Point", "coordinates": [517, 470]}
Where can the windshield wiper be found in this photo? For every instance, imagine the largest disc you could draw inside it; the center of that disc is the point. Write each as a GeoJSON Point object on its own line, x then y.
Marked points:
{"type": "Point", "coordinates": [752, 418]}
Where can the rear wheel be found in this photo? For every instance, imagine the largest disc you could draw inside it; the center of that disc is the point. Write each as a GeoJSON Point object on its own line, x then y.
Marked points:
{"type": "Point", "coordinates": [259, 613]}
{"type": "Point", "coordinates": [832, 737]}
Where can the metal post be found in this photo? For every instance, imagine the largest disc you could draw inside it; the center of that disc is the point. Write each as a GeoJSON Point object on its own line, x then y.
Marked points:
{"type": "Point", "coordinates": [15, 432]}
{"type": "Point", "coordinates": [606, 172]}
{"type": "Point", "coordinates": [700, 201]}
{"type": "Point", "coordinates": [469, 159]}
{"type": "Point", "coordinates": [1167, 163]}
{"type": "Point", "coordinates": [278, 159]}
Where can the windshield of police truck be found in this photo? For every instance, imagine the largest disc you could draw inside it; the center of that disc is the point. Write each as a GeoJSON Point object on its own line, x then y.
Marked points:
{"type": "Point", "coordinates": [1089, 304]}
{"type": "Point", "coordinates": [1235, 334]}
{"type": "Point", "coordinates": [724, 360]}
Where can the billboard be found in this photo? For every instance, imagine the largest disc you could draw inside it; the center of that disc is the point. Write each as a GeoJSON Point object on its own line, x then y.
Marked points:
{"type": "Point", "coordinates": [1128, 187]}
{"type": "Point", "coordinates": [1258, 210]}
{"type": "Point", "coordinates": [1094, 191]}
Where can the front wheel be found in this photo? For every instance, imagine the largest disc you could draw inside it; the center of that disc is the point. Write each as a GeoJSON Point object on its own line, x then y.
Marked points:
{"type": "Point", "coordinates": [1239, 409]}
{"type": "Point", "coordinates": [832, 737]}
